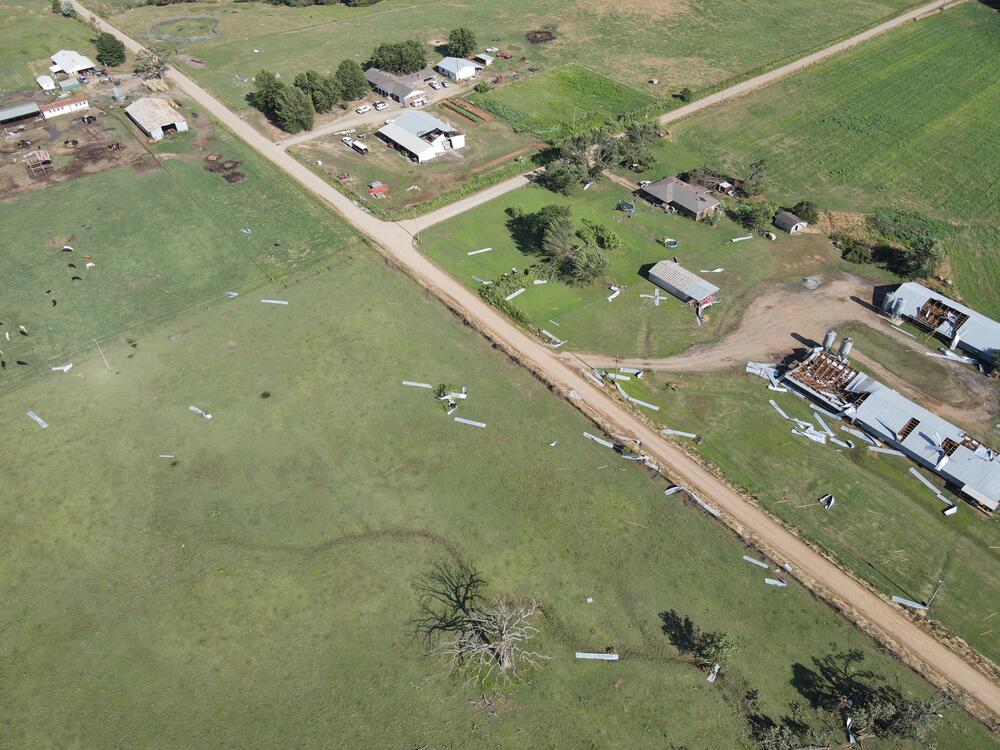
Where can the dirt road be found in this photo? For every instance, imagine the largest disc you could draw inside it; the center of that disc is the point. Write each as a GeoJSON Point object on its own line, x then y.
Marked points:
{"type": "Point", "coordinates": [867, 608]}
{"type": "Point", "coordinates": [752, 84]}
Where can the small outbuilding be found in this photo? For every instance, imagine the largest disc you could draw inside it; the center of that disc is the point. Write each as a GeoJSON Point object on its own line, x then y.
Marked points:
{"type": "Point", "coordinates": [64, 107]}
{"type": "Point", "coordinates": [483, 58]}
{"type": "Point", "coordinates": [45, 83]}
{"type": "Point", "coordinates": [68, 84]}
{"type": "Point", "coordinates": [71, 62]}
{"type": "Point", "coordinates": [686, 286]}
{"type": "Point", "coordinates": [691, 200]}
{"type": "Point", "coordinates": [18, 112]}
{"type": "Point", "coordinates": [458, 68]}
{"type": "Point", "coordinates": [154, 116]}
{"type": "Point", "coordinates": [789, 222]}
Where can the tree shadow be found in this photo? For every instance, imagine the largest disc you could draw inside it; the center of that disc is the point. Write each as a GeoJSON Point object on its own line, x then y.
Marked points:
{"type": "Point", "coordinates": [680, 630]}
{"type": "Point", "coordinates": [838, 680]}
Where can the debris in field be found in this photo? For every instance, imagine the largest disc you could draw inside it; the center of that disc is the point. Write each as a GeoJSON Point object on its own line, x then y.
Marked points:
{"type": "Point", "coordinates": [950, 355]}
{"type": "Point", "coordinates": [196, 410]}
{"type": "Point", "coordinates": [232, 295]}
{"type": "Point", "coordinates": [477, 252]}
{"type": "Point", "coordinates": [23, 330]}
{"type": "Point", "coordinates": [824, 426]}
{"type": "Point", "coordinates": [908, 603]}
{"type": "Point", "coordinates": [512, 295]}
{"type": "Point", "coordinates": [551, 336]}
{"type": "Point", "coordinates": [708, 508]}
{"type": "Point", "coordinates": [275, 301]}
{"type": "Point", "coordinates": [101, 351]}
{"type": "Point", "coordinates": [484, 282]}
{"type": "Point", "coordinates": [859, 434]}
{"type": "Point", "coordinates": [828, 501]}
{"type": "Point", "coordinates": [616, 290]}
{"type": "Point", "coordinates": [887, 451]}
{"type": "Point", "coordinates": [63, 368]}
{"type": "Point", "coordinates": [553, 323]}
{"type": "Point", "coordinates": [814, 436]}
{"type": "Point", "coordinates": [41, 422]}
{"type": "Point", "coordinates": [632, 371]}
{"type": "Point", "coordinates": [811, 282]}
{"type": "Point", "coordinates": [715, 673]}
{"type": "Point", "coordinates": [471, 422]}
{"type": "Point", "coordinates": [597, 381]}
{"type": "Point", "coordinates": [741, 239]}
{"type": "Point", "coordinates": [246, 230]}
{"type": "Point", "coordinates": [416, 384]}
{"type": "Point", "coordinates": [841, 443]}
{"type": "Point", "coordinates": [714, 270]}
{"type": "Point", "coordinates": [779, 409]}
{"type": "Point", "coordinates": [951, 510]}
{"type": "Point", "coordinates": [679, 433]}
{"type": "Point", "coordinates": [616, 376]}
{"type": "Point", "coordinates": [758, 563]}
{"type": "Point", "coordinates": [597, 657]}
{"type": "Point", "coordinates": [539, 282]}
{"type": "Point", "coordinates": [553, 444]}
{"type": "Point", "coordinates": [590, 600]}
{"type": "Point", "coordinates": [599, 441]}
{"type": "Point", "coordinates": [775, 582]}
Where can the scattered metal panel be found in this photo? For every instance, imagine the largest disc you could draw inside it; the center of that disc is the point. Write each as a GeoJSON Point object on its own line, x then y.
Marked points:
{"type": "Point", "coordinates": [470, 422]}
{"type": "Point", "coordinates": [887, 451]}
{"type": "Point", "coordinates": [756, 562]}
{"type": "Point", "coordinates": [512, 295]}
{"type": "Point", "coordinates": [596, 657]}
{"type": "Point", "coordinates": [275, 301]}
{"type": "Point", "coordinates": [909, 603]}
{"type": "Point", "coordinates": [775, 582]}
{"type": "Point", "coordinates": [417, 385]}
{"type": "Point", "coordinates": [477, 252]}
{"type": "Point", "coordinates": [779, 409]}
{"type": "Point", "coordinates": [41, 422]}
{"type": "Point", "coordinates": [599, 441]}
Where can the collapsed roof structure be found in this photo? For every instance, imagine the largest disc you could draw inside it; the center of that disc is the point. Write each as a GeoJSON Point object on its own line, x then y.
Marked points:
{"type": "Point", "coordinates": [967, 464]}
{"type": "Point", "coordinates": [960, 326]}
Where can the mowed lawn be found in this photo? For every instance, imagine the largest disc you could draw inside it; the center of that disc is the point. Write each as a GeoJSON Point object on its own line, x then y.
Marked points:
{"type": "Point", "coordinates": [161, 238]}
{"type": "Point", "coordinates": [886, 526]}
{"type": "Point", "coordinates": [678, 43]}
{"type": "Point", "coordinates": [493, 151]}
{"type": "Point", "coordinates": [29, 33]}
{"type": "Point", "coordinates": [257, 589]}
{"type": "Point", "coordinates": [630, 324]}
{"type": "Point", "coordinates": [560, 102]}
{"type": "Point", "coordinates": [907, 121]}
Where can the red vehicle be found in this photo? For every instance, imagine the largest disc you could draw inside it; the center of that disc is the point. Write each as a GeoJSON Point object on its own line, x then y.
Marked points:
{"type": "Point", "coordinates": [504, 55]}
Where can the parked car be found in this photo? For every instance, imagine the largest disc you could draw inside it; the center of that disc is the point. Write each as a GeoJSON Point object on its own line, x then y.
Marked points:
{"type": "Point", "coordinates": [445, 84]}
{"type": "Point", "coordinates": [419, 102]}
{"type": "Point", "coordinates": [363, 108]}
{"type": "Point", "coordinates": [491, 50]}
{"type": "Point", "coordinates": [360, 147]}
{"type": "Point", "coordinates": [391, 119]}
{"type": "Point", "coordinates": [381, 105]}
{"type": "Point", "coordinates": [435, 85]}
{"type": "Point", "coordinates": [347, 140]}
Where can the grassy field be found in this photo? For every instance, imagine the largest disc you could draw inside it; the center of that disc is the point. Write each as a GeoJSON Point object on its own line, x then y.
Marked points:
{"type": "Point", "coordinates": [630, 324]}
{"type": "Point", "coordinates": [543, 103]}
{"type": "Point", "coordinates": [163, 238]}
{"type": "Point", "coordinates": [681, 44]}
{"type": "Point", "coordinates": [886, 526]}
{"type": "Point", "coordinates": [856, 133]}
{"type": "Point", "coordinates": [29, 33]}
{"type": "Point", "coordinates": [492, 151]}
{"type": "Point", "coordinates": [259, 591]}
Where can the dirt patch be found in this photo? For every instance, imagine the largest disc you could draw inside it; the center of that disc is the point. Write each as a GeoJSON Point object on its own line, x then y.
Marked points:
{"type": "Point", "coordinates": [194, 62]}
{"type": "Point", "coordinates": [234, 177]}
{"type": "Point", "coordinates": [841, 222]}
{"type": "Point", "coordinates": [541, 36]}
{"type": "Point", "coordinates": [507, 157]}
{"type": "Point", "coordinates": [231, 164]}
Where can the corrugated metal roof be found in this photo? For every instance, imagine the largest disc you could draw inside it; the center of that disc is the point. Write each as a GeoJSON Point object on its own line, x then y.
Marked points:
{"type": "Point", "coordinates": [392, 85]}
{"type": "Point", "coordinates": [18, 110]}
{"type": "Point", "coordinates": [786, 220]}
{"type": "Point", "coordinates": [977, 335]}
{"type": "Point", "coordinates": [71, 61]}
{"type": "Point", "coordinates": [674, 276]}
{"type": "Point", "coordinates": [60, 103]}
{"type": "Point", "coordinates": [151, 113]}
{"type": "Point", "coordinates": [407, 129]}
{"type": "Point", "coordinates": [456, 64]}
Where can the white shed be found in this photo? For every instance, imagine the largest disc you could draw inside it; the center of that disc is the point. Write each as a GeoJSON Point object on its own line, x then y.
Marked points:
{"type": "Point", "coordinates": [457, 68]}
{"type": "Point", "coordinates": [45, 83]}
{"type": "Point", "coordinates": [153, 116]}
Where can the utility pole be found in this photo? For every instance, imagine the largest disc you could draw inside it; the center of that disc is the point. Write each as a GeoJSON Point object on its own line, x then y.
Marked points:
{"type": "Point", "coordinates": [940, 583]}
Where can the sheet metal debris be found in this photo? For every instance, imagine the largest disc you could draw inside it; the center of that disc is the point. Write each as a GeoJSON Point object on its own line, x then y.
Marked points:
{"type": "Point", "coordinates": [512, 295]}
{"type": "Point", "coordinates": [599, 441]}
{"type": "Point", "coordinates": [415, 384]}
{"type": "Point", "coordinates": [196, 410]}
{"type": "Point", "coordinates": [41, 422]}
{"type": "Point", "coordinates": [887, 451]}
{"type": "Point", "coordinates": [470, 422]}
{"type": "Point", "coordinates": [477, 252]}
{"type": "Point", "coordinates": [756, 562]}
{"type": "Point", "coordinates": [596, 657]}
{"type": "Point", "coordinates": [775, 582]}
{"type": "Point", "coordinates": [909, 603]}
{"type": "Point", "coordinates": [275, 301]}
{"type": "Point", "coordinates": [63, 368]}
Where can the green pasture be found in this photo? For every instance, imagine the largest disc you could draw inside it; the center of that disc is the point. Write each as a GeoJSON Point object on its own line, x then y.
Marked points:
{"type": "Point", "coordinates": [906, 121]}
{"type": "Point", "coordinates": [258, 588]}
{"type": "Point", "coordinates": [29, 34]}
{"type": "Point", "coordinates": [162, 238]}
{"type": "Point", "coordinates": [630, 324]}
{"type": "Point", "coordinates": [886, 526]}
{"type": "Point", "coordinates": [679, 44]}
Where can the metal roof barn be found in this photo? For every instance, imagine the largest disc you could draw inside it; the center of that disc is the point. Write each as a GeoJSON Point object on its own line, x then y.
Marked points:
{"type": "Point", "coordinates": [152, 115]}
{"type": "Point", "coordinates": [681, 283]}
{"type": "Point", "coordinates": [19, 112]}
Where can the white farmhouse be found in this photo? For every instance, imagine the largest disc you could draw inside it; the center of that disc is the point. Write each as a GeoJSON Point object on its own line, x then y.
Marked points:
{"type": "Point", "coordinates": [71, 63]}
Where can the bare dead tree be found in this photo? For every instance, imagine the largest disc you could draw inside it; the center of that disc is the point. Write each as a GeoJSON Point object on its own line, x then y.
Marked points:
{"type": "Point", "coordinates": [494, 644]}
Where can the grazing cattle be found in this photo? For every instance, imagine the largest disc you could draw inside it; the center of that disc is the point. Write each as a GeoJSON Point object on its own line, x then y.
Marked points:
{"type": "Point", "coordinates": [75, 278]}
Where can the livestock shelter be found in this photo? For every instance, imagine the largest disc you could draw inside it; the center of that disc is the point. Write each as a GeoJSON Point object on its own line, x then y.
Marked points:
{"type": "Point", "coordinates": [967, 464]}
{"type": "Point", "coordinates": [154, 116]}
{"type": "Point", "coordinates": [458, 68]}
{"type": "Point", "coordinates": [682, 283]}
{"type": "Point", "coordinates": [421, 136]}
{"type": "Point", "coordinates": [961, 326]}
{"type": "Point", "coordinates": [398, 88]}
{"type": "Point", "coordinates": [19, 112]}
{"type": "Point", "coordinates": [45, 83]}
{"type": "Point", "coordinates": [691, 200]}
{"type": "Point", "coordinates": [64, 107]}
{"type": "Point", "coordinates": [790, 222]}
{"type": "Point", "coordinates": [71, 62]}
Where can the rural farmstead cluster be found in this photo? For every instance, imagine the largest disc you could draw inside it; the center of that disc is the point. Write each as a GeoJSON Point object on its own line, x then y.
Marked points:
{"type": "Point", "coordinates": [557, 375]}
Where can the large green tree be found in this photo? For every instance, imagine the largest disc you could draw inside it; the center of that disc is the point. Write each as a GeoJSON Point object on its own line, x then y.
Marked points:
{"type": "Point", "coordinates": [264, 97]}
{"type": "Point", "coordinates": [400, 57]}
{"type": "Point", "coordinates": [322, 90]}
{"type": "Point", "coordinates": [461, 41]}
{"type": "Point", "coordinates": [110, 51]}
{"type": "Point", "coordinates": [350, 79]}
{"type": "Point", "coordinates": [293, 110]}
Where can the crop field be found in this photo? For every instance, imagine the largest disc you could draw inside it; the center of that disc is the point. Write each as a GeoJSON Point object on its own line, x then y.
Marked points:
{"type": "Point", "coordinates": [543, 103]}
{"type": "Point", "coordinates": [678, 43]}
{"type": "Point", "coordinates": [629, 325]}
{"type": "Point", "coordinates": [259, 585]}
{"type": "Point", "coordinates": [162, 238]}
{"type": "Point", "coordinates": [856, 133]}
{"type": "Point", "coordinates": [493, 152]}
{"type": "Point", "coordinates": [28, 35]}
{"type": "Point", "coordinates": [886, 526]}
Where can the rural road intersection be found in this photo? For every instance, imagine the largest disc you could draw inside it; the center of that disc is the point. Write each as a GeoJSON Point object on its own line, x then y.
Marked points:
{"type": "Point", "coordinates": [860, 603]}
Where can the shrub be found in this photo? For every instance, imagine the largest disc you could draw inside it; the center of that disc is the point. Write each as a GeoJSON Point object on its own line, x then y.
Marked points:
{"type": "Point", "coordinates": [483, 87]}
{"type": "Point", "coordinates": [685, 94]}
{"type": "Point", "coordinates": [756, 215]}
{"type": "Point", "coordinates": [806, 210]}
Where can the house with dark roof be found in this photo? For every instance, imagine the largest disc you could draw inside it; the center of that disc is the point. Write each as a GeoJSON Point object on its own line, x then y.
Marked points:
{"type": "Point", "coordinates": [673, 193]}
{"type": "Point", "coordinates": [399, 88]}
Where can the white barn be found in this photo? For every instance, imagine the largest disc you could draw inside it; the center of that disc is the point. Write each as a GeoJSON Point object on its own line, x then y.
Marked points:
{"type": "Point", "coordinates": [64, 107]}
{"type": "Point", "coordinates": [421, 136]}
{"type": "Point", "coordinates": [458, 68]}
{"type": "Point", "coordinates": [71, 63]}
{"type": "Point", "coordinates": [682, 283]}
{"type": "Point", "coordinates": [153, 116]}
